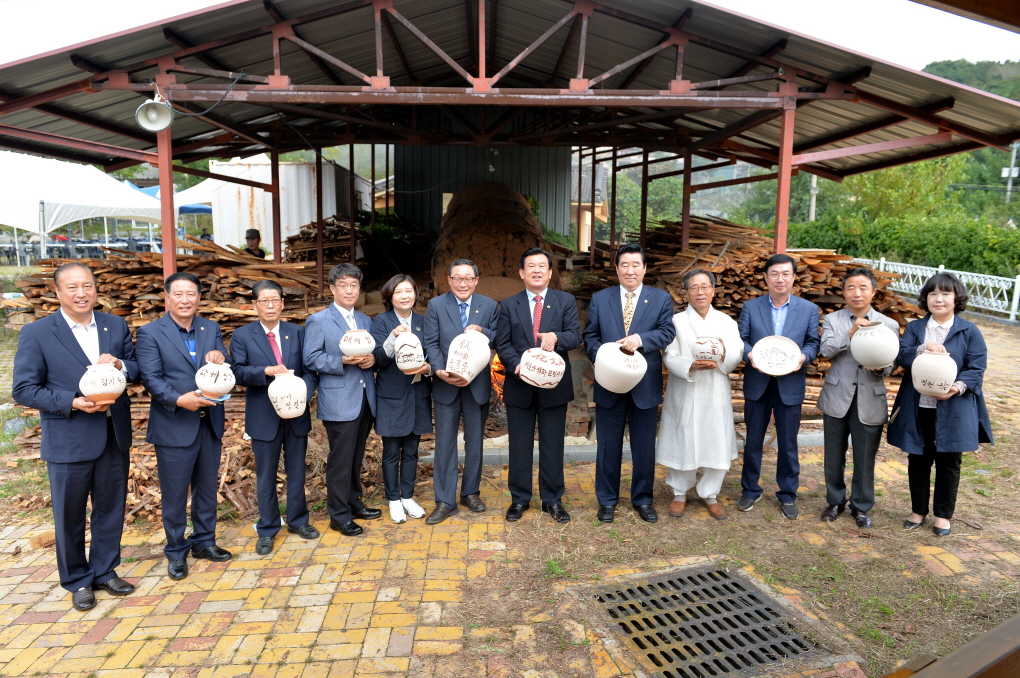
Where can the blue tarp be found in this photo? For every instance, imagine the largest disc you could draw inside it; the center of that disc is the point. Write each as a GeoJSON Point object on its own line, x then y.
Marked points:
{"type": "Point", "coordinates": [151, 191]}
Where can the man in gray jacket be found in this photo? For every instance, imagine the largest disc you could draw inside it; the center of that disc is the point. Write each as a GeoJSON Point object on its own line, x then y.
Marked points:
{"type": "Point", "coordinates": [852, 401]}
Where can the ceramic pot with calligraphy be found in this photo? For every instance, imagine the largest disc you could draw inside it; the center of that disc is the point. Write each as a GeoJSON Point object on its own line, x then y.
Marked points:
{"type": "Point", "coordinates": [618, 370]}
{"type": "Point", "coordinates": [709, 348]}
{"type": "Point", "coordinates": [357, 343]}
{"type": "Point", "coordinates": [289, 395]}
{"type": "Point", "coordinates": [469, 355]}
{"type": "Point", "coordinates": [408, 352]}
{"type": "Point", "coordinates": [102, 384]}
{"type": "Point", "coordinates": [214, 381]}
{"type": "Point", "coordinates": [875, 346]}
{"type": "Point", "coordinates": [543, 369]}
{"type": "Point", "coordinates": [933, 373]}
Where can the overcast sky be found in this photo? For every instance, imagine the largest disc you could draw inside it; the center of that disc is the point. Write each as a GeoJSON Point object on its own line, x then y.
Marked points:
{"type": "Point", "coordinates": [899, 31]}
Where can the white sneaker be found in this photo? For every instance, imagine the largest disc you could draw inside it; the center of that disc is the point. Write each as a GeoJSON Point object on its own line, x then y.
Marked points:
{"type": "Point", "coordinates": [413, 509]}
{"type": "Point", "coordinates": [397, 514]}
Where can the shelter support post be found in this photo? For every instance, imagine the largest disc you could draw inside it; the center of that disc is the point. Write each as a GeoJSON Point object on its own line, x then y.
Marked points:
{"type": "Point", "coordinates": [274, 159]}
{"type": "Point", "coordinates": [785, 177]}
{"type": "Point", "coordinates": [318, 216]}
{"type": "Point", "coordinates": [644, 196]}
{"type": "Point", "coordinates": [387, 187]}
{"type": "Point", "coordinates": [350, 199]}
{"type": "Point", "coordinates": [591, 214]}
{"type": "Point", "coordinates": [372, 200]}
{"type": "Point", "coordinates": [612, 211]}
{"type": "Point", "coordinates": [580, 161]}
{"type": "Point", "coordinates": [685, 231]}
{"type": "Point", "coordinates": [167, 215]}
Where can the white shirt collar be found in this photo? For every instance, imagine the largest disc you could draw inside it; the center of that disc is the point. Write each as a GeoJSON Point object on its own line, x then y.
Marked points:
{"type": "Point", "coordinates": [948, 324]}
{"type": "Point", "coordinates": [624, 293]}
{"type": "Point", "coordinates": [267, 330]}
{"type": "Point", "coordinates": [466, 301]}
{"type": "Point", "coordinates": [72, 324]}
{"type": "Point", "coordinates": [532, 295]}
{"type": "Point", "coordinates": [406, 322]}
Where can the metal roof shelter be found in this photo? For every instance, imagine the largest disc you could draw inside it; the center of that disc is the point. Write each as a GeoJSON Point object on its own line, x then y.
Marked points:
{"type": "Point", "coordinates": [678, 76]}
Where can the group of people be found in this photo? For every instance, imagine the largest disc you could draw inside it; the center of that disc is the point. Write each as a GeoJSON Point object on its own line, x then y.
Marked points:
{"type": "Point", "coordinates": [86, 445]}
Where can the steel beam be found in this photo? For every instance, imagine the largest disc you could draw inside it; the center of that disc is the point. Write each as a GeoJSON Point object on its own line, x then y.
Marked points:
{"type": "Point", "coordinates": [644, 197]}
{"type": "Point", "coordinates": [735, 128]}
{"type": "Point", "coordinates": [223, 177]}
{"type": "Point", "coordinates": [12, 145]}
{"type": "Point", "coordinates": [640, 68]}
{"type": "Point", "coordinates": [563, 51]}
{"type": "Point", "coordinates": [941, 123]}
{"type": "Point", "coordinates": [770, 52]}
{"type": "Point", "coordinates": [274, 170]}
{"type": "Point", "coordinates": [312, 50]}
{"type": "Point", "coordinates": [46, 96]}
{"type": "Point", "coordinates": [278, 17]}
{"type": "Point", "coordinates": [697, 188]}
{"type": "Point", "coordinates": [431, 45]}
{"type": "Point", "coordinates": [385, 19]}
{"type": "Point", "coordinates": [535, 45]}
{"type": "Point", "coordinates": [107, 150]}
{"type": "Point", "coordinates": [916, 157]}
{"type": "Point", "coordinates": [890, 121]}
{"type": "Point", "coordinates": [882, 146]}
{"type": "Point", "coordinates": [178, 40]}
{"type": "Point", "coordinates": [167, 214]}
{"type": "Point", "coordinates": [785, 175]}
{"type": "Point", "coordinates": [88, 121]}
{"type": "Point", "coordinates": [685, 218]}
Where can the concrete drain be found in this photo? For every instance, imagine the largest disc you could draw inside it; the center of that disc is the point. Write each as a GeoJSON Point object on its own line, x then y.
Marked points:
{"type": "Point", "coordinates": [702, 622]}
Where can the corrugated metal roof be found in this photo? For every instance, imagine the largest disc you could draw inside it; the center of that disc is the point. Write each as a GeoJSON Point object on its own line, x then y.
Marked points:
{"type": "Point", "coordinates": [350, 37]}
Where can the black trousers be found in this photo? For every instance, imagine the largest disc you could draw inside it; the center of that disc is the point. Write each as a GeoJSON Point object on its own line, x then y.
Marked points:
{"type": "Point", "coordinates": [399, 465]}
{"type": "Point", "coordinates": [609, 426]}
{"type": "Point", "coordinates": [552, 426]}
{"type": "Point", "coordinates": [267, 462]}
{"type": "Point", "coordinates": [343, 465]}
{"type": "Point", "coordinates": [757, 414]}
{"type": "Point", "coordinates": [105, 480]}
{"type": "Point", "coordinates": [866, 438]}
{"type": "Point", "coordinates": [947, 471]}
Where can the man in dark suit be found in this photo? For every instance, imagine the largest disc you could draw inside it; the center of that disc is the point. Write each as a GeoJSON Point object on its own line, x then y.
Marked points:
{"type": "Point", "coordinates": [185, 427]}
{"type": "Point", "coordinates": [346, 398]}
{"type": "Point", "coordinates": [258, 352]}
{"type": "Point", "coordinates": [776, 313]}
{"type": "Point", "coordinates": [545, 318]}
{"type": "Point", "coordinates": [85, 445]}
{"type": "Point", "coordinates": [448, 316]}
{"type": "Point", "coordinates": [641, 319]}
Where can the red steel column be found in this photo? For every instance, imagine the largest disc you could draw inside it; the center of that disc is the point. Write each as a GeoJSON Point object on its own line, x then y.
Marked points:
{"type": "Point", "coordinates": [785, 176]}
{"type": "Point", "coordinates": [612, 211]}
{"type": "Point", "coordinates": [644, 195]}
{"type": "Point", "coordinates": [319, 223]}
{"type": "Point", "coordinates": [352, 207]}
{"type": "Point", "coordinates": [580, 160]}
{"type": "Point", "coordinates": [591, 230]}
{"type": "Point", "coordinates": [167, 216]}
{"type": "Point", "coordinates": [274, 158]}
{"type": "Point", "coordinates": [372, 200]}
{"type": "Point", "coordinates": [685, 235]}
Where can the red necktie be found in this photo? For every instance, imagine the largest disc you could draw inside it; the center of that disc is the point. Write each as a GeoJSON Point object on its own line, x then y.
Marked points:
{"type": "Point", "coordinates": [275, 347]}
{"type": "Point", "coordinates": [537, 317]}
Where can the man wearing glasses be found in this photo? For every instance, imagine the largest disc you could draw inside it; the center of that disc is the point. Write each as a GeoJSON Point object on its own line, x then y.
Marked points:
{"type": "Point", "coordinates": [259, 351]}
{"type": "Point", "coordinates": [776, 313]}
{"type": "Point", "coordinates": [346, 398]}
{"type": "Point", "coordinates": [454, 399]}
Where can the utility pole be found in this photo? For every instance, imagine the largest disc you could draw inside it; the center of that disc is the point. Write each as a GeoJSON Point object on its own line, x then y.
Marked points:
{"type": "Point", "coordinates": [814, 197]}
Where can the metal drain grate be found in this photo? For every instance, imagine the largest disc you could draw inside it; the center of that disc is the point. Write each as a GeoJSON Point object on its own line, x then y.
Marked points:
{"type": "Point", "coordinates": [702, 622]}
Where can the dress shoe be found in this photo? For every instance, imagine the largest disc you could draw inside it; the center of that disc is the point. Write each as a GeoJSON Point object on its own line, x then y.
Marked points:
{"type": "Point", "coordinates": [558, 513]}
{"type": "Point", "coordinates": [83, 599]}
{"type": "Point", "coordinates": [790, 510]}
{"type": "Point", "coordinates": [832, 511]}
{"type": "Point", "coordinates": [607, 513]}
{"type": "Point", "coordinates": [177, 569]}
{"type": "Point", "coordinates": [397, 513]}
{"type": "Point", "coordinates": [677, 507]}
{"type": "Point", "coordinates": [214, 553]}
{"type": "Point", "coordinates": [440, 513]}
{"type": "Point", "coordinates": [647, 513]}
{"type": "Point", "coordinates": [348, 529]}
{"type": "Point", "coordinates": [941, 531]}
{"type": "Point", "coordinates": [115, 586]}
{"type": "Point", "coordinates": [473, 502]}
{"type": "Point", "coordinates": [862, 518]}
{"type": "Point", "coordinates": [306, 531]}
{"type": "Point", "coordinates": [747, 503]}
{"type": "Point", "coordinates": [716, 510]}
{"type": "Point", "coordinates": [909, 524]}
{"type": "Point", "coordinates": [264, 546]}
{"type": "Point", "coordinates": [515, 511]}
{"type": "Point", "coordinates": [412, 508]}
{"type": "Point", "coordinates": [365, 513]}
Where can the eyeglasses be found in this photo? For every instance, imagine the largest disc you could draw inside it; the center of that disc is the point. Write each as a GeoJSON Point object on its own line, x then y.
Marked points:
{"type": "Point", "coordinates": [776, 275]}
{"type": "Point", "coordinates": [700, 288]}
{"type": "Point", "coordinates": [465, 281]}
{"type": "Point", "coordinates": [269, 303]}
{"type": "Point", "coordinates": [347, 288]}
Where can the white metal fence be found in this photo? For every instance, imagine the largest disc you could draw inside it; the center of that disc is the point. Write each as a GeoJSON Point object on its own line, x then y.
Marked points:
{"type": "Point", "coordinates": [988, 292]}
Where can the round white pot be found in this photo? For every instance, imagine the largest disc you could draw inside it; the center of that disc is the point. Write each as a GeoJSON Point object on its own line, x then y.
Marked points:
{"type": "Point", "coordinates": [102, 384]}
{"type": "Point", "coordinates": [709, 348]}
{"type": "Point", "coordinates": [468, 355]}
{"type": "Point", "coordinates": [357, 343]}
{"type": "Point", "coordinates": [875, 346]}
{"type": "Point", "coordinates": [933, 373]}
{"type": "Point", "coordinates": [544, 369]}
{"type": "Point", "coordinates": [618, 371]}
{"type": "Point", "coordinates": [289, 395]}
{"type": "Point", "coordinates": [214, 381]}
{"type": "Point", "coordinates": [408, 352]}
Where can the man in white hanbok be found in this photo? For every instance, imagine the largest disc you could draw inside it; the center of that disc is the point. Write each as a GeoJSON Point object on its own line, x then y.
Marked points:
{"type": "Point", "coordinates": [697, 415]}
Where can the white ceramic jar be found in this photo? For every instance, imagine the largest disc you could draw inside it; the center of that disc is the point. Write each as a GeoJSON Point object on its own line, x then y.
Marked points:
{"type": "Point", "coordinates": [933, 373]}
{"type": "Point", "coordinates": [875, 346]}
{"type": "Point", "coordinates": [408, 352]}
{"type": "Point", "coordinates": [709, 348]}
{"type": "Point", "coordinates": [214, 381]}
{"type": "Point", "coordinates": [543, 369]}
{"type": "Point", "coordinates": [289, 395]}
{"type": "Point", "coordinates": [468, 355]}
{"type": "Point", "coordinates": [357, 343]}
{"type": "Point", "coordinates": [618, 371]}
{"type": "Point", "coordinates": [102, 384]}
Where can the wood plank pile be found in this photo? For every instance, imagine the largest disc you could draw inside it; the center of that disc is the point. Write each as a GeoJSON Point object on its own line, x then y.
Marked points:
{"type": "Point", "coordinates": [336, 243]}
{"type": "Point", "coordinates": [131, 286]}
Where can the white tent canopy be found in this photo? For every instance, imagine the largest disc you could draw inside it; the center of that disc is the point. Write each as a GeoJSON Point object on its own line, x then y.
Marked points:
{"type": "Point", "coordinates": [200, 193]}
{"type": "Point", "coordinates": [39, 194]}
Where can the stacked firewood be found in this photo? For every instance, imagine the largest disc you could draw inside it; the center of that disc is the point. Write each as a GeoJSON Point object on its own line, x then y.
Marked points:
{"type": "Point", "coordinates": [336, 242]}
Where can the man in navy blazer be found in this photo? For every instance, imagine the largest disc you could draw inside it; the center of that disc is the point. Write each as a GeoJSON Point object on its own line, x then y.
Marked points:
{"type": "Point", "coordinates": [346, 398]}
{"type": "Point", "coordinates": [185, 428]}
{"type": "Point", "coordinates": [448, 316]}
{"type": "Point", "coordinates": [776, 313]}
{"type": "Point", "coordinates": [545, 318]}
{"type": "Point", "coordinates": [641, 319]}
{"type": "Point", "coordinates": [85, 445]}
{"type": "Point", "coordinates": [259, 352]}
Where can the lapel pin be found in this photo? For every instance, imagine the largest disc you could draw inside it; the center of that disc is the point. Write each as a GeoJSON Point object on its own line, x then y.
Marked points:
{"type": "Point", "coordinates": [286, 336]}
{"type": "Point", "coordinates": [104, 329]}
{"type": "Point", "coordinates": [201, 327]}
{"type": "Point", "coordinates": [417, 329]}
{"type": "Point", "coordinates": [547, 306]}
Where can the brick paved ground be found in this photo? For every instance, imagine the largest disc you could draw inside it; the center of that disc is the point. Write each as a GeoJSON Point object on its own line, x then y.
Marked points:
{"type": "Point", "coordinates": [383, 604]}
